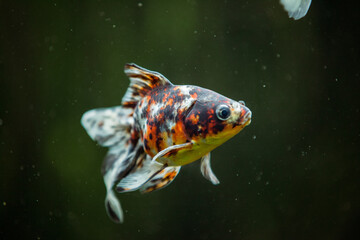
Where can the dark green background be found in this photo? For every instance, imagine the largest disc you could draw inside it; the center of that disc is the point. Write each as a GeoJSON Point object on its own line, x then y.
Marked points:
{"type": "Point", "coordinates": [292, 174]}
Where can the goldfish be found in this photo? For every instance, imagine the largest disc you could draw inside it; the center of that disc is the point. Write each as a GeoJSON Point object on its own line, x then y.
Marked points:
{"type": "Point", "coordinates": [296, 8]}
{"type": "Point", "coordinates": [158, 128]}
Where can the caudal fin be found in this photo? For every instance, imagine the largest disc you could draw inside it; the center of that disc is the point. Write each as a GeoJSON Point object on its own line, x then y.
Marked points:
{"type": "Point", "coordinates": [114, 128]}
{"type": "Point", "coordinates": [113, 207]}
{"type": "Point", "coordinates": [111, 127]}
{"type": "Point", "coordinates": [108, 126]}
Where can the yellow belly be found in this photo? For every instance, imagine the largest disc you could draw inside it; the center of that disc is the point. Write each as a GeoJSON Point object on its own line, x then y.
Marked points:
{"type": "Point", "coordinates": [187, 156]}
{"type": "Point", "coordinates": [199, 149]}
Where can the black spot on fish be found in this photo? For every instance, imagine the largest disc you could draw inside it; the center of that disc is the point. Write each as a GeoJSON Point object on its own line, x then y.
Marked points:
{"type": "Point", "coordinates": [158, 143]}
{"type": "Point", "coordinates": [130, 104]}
{"type": "Point", "coordinates": [218, 128]}
{"type": "Point", "coordinates": [135, 93]}
{"type": "Point", "coordinates": [194, 90]}
{"type": "Point", "coordinates": [120, 189]}
{"type": "Point", "coordinates": [192, 129]}
{"type": "Point", "coordinates": [169, 112]}
{"type": "Point", "coordinates": [112, 213]}
{"type": "Point", "coordinates": [144, 112]}
{"type": "Point", "coordinates": [140, 76]}
{"type": "Point", "coordinates": [146, 144]}
{"type": "Point", "coordinates": [155, 180]}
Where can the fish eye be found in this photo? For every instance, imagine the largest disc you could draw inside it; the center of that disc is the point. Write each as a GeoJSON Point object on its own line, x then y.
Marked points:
{"type": "Point", "coordinates": [223, 112]}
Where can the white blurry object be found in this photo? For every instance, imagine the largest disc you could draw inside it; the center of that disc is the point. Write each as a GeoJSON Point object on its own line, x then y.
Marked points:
{"type": "Point", "coordinates": [296, 8]}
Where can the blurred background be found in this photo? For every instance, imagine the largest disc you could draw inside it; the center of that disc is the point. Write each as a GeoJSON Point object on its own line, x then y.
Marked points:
{"type": "Point", "coordinates": [292, 174]}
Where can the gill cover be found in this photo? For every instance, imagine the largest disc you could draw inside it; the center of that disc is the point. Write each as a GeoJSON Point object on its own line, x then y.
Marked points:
{"type": "Point", "coordinates": [202, 119]}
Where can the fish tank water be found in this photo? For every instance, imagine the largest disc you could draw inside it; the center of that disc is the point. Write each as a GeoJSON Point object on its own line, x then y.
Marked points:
{"type": "Point", "coordinates": [293, 173]}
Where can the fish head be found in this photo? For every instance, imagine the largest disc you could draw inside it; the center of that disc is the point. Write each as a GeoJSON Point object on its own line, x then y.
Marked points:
{"type": "Point", "coordinates": [213, 118]}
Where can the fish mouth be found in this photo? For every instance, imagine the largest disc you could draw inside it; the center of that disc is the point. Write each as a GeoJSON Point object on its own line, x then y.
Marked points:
{"type": "Point", "coordinates": [245, 119]}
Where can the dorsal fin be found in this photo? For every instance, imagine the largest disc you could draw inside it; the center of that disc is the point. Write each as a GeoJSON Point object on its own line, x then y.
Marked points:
{"type": "Point", "coordinates": [141, 82]}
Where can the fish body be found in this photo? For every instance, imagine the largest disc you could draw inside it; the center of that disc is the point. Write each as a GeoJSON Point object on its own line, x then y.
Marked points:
{"type": "Point", "coordinates": [158, 128]}
{"type": "Point", "coordinates": [172, 115]}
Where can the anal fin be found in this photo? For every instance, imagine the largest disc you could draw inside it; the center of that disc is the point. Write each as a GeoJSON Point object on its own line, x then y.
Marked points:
{"type": "Point", "coordinates": [140, 175]}
{"type": "Point", "coordinates": [161, 180]}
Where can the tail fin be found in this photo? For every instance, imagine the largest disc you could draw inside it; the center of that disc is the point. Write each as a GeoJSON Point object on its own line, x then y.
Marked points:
{"type": "Point", "coordinates": [113, 207]}
{"type": "Point", "coordinates": [106, 126]}
{"type": "Point", "coordinates": [112, 127]}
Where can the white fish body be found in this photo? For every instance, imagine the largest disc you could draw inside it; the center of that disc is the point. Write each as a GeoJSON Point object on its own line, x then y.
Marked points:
{"type": "Point", "coordinates": [296, 8]}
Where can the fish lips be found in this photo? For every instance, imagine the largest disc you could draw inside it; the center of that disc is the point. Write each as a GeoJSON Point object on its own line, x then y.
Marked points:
{"type": "Point", "coordinates": [245, 116]}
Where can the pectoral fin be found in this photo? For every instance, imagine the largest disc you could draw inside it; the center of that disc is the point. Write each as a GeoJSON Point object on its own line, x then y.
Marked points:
{"type": "Point", "coordinates": [171, 150]}
{"type": "Point", "coordinates": [206, 170]}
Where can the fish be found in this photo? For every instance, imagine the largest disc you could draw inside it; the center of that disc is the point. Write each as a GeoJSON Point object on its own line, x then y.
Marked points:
{"type": "Point", "coordinates": [158, 128]}
{"type": "Point", "coordinates": [296, 8]}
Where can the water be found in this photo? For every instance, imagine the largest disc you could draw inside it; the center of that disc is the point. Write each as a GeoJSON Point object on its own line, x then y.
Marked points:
{"type": "Point", "coordinates": [291, 174]}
